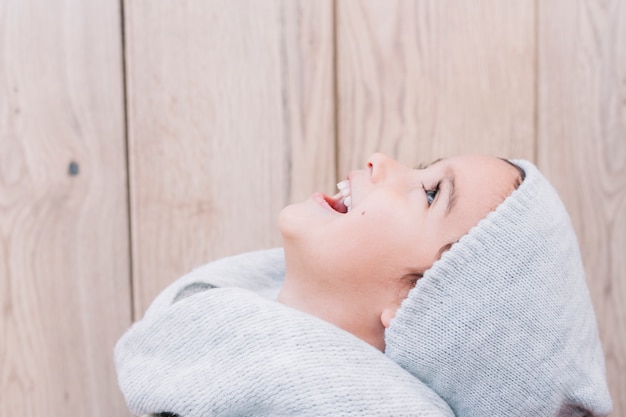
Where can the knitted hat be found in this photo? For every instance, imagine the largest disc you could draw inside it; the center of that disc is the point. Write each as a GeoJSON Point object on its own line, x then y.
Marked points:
{"type": "Point", "coordinates": [502, 324]}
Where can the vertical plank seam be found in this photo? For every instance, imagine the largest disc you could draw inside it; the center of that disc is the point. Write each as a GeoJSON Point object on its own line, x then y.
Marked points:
{"type": "Point", "coordinates": [335, 78]}
{"type": "Point", "coordinates": [537, 86]}
{"type": "Point", "coordinates": [124, 70]}
{"type": "Point", "coordinates": [284, 93]}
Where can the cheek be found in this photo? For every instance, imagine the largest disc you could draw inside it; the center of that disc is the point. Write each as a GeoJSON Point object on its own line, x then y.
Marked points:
{"type": "Point", "coordinates": [404, 242]}
{"type": "Point", "coordinates": [380, 236]}
{"type": "Point", "coordinates": [399, 225]}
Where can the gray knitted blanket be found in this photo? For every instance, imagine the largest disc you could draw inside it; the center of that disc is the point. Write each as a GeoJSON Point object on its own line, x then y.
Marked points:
{"type": "Point", "coordinates": [230, 352]}
{"type": "Point", "coordinates": [502, 325]}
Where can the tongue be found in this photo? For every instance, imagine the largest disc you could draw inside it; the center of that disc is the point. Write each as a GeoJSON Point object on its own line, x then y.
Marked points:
{"type": "Point", "coordinates": [337, 204]}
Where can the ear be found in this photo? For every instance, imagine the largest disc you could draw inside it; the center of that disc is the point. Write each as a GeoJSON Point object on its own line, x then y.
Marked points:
{"type": "Point", "coordinates": [386, 316]}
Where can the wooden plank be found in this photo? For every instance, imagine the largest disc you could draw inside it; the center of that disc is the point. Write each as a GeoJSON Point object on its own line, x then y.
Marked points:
{"type": "Point", "coordinates": [426, 79]}
{"type": "Point", "coordinates": [582, 149]}
{"type": "Point", "coordinates": [64, 261]}
{"type": "Point", "coordinates": [230, 118]}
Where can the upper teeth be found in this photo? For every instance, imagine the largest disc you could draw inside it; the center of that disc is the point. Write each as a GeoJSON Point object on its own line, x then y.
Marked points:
{"type": "Point", "coordinates": [344, 189]}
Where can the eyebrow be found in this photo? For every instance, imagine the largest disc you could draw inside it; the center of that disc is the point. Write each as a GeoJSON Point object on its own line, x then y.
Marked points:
{"type": "Point", "coordinates": [450, 177]}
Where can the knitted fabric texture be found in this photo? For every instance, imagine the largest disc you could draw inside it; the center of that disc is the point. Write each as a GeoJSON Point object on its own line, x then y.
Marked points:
{"type": "Point", "coordinates": [503, 324]}
{"type": "Point", "coordinates": [231, 352]}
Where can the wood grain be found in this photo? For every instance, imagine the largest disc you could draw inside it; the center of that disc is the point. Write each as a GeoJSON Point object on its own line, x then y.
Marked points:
{"type": "Point", "coordinates": [64, 261]}
{"type": "Point", "coordinates": [230, 118]}
{"type": "Point", "coordinates": [426, 79]}
{"type": "Point", "coordinates": [582, 149]}
{"type": "Point", "coordinates": [238, 107]}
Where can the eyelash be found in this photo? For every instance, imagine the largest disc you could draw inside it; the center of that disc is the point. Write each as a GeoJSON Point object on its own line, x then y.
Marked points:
{"type": "Point", "coordinates": [434, 192]}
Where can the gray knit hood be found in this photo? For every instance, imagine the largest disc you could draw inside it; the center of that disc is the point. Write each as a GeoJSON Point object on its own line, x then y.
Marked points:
{"type": "Point", "coordinates": [501, 325]}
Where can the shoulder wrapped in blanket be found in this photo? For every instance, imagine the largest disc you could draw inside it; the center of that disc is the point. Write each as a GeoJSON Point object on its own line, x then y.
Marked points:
{"type": "Point", "coordinates": [501, 325]}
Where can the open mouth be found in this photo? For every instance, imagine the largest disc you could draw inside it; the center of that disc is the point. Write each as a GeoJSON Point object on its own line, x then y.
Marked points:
{"type": "Point", "coordinates": [337, 203]}
{"type": "Point", "coordinates": [342, 202]}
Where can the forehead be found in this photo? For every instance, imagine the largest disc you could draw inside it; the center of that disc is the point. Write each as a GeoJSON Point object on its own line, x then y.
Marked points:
{"type": "Point", "coordinates": [476, 167]}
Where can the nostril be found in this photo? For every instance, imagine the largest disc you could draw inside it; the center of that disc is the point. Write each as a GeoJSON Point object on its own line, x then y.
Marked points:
{"type": "Point", "coordinates": [375, 166]}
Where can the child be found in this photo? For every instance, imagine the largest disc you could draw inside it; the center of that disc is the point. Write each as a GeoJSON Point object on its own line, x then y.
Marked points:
{"type": "Point", "coordinates": [401, 221]}
{"type": "Point", "coordinates": [476, 291]}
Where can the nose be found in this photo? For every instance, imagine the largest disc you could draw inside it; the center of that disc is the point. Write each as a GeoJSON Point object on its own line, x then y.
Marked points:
{"type": "Point", "coordinates": [382, 167]}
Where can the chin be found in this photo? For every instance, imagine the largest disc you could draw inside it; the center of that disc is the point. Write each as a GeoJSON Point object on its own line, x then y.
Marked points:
{"type": "Point", "coordinates": [286, 221]}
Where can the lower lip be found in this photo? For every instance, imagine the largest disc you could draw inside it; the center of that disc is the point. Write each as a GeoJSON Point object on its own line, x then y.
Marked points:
{"type": "Point", "coordinates": [320, 198]}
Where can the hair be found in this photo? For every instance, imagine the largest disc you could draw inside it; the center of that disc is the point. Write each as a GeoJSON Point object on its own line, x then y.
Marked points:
{"type": "Point", "coordinates": [520, 178]}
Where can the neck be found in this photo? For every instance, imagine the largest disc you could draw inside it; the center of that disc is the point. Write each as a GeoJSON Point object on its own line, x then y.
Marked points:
{"type": "Point", "coordinates": [310, 295]}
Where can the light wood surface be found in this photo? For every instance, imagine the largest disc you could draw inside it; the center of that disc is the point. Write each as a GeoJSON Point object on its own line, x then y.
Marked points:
{"type": "Point", "coordinates": [426, 79]}
{"type": "Point", "coordinates": [235, 108]}
{"type": "Point", "coordinates": [64, 258]}
{"type": "Point", "coordinates": [582, 149]}
{"type": "Point", "coordinates": [231, 117]}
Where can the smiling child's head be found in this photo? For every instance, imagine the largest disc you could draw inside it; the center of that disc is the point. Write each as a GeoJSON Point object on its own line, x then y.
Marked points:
{"type": "Point", "coordinates": [352, 258]}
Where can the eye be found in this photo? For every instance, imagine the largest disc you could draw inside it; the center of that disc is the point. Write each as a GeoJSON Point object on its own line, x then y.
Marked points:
{"type": "Point", "coordinates": [431, 194]}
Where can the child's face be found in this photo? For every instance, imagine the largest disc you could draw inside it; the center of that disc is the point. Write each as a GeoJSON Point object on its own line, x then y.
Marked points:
{"type": "Point", "coordinates": [354, 268]}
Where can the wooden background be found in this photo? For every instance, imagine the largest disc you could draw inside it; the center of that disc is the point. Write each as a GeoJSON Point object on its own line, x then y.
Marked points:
{"type": "Point", "coordinates": [139, 139]}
